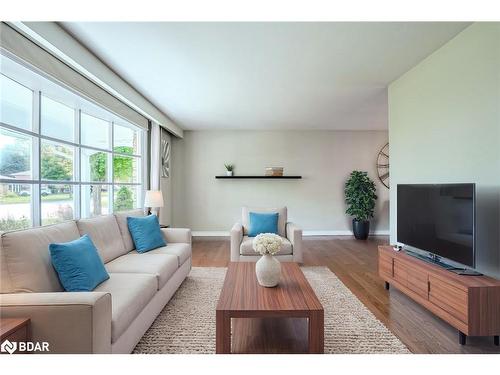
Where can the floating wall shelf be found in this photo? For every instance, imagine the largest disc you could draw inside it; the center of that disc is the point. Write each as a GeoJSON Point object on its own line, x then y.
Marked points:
{"type": "Point", "coordinates": [261, 177]}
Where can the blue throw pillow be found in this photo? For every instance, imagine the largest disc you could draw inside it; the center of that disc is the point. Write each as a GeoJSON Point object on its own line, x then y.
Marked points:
{"type": "Point", "coordinates": [146, 233]}
{"type": "Point", "coordinates": [262, 223]}
{"type": "Point", "coordinates": [78, 264]}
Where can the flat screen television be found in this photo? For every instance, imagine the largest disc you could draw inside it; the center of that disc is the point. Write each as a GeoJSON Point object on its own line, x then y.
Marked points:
{"type": "Point", "coordinates": [439, 219]}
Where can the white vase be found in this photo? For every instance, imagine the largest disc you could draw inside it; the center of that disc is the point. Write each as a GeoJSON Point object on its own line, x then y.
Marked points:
{"type": "Point", "coordinates": [229, 173]}
{"type": "Point", "coordinates": [268, 271]}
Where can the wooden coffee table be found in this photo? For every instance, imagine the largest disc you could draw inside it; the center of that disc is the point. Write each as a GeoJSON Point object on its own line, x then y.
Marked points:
{"type": "Point", "coordinates": [243, 297]}
{"type": "Point", "coordinates": [15, 329]}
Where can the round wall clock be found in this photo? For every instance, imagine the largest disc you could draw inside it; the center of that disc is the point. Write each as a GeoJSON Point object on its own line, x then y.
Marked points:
{"type": "Point", "coordinates": [383, 165]}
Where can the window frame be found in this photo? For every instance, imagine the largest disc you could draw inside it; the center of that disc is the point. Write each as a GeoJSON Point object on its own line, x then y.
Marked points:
{"type": "Point", "coordinates": [37, 137]}
{"type": "Point", "coordinates": [32, 99]}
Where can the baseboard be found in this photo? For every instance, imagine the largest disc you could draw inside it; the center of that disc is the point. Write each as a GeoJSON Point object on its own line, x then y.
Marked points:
{"type": "Point", "coordinates": [306, 233]}
{"type": "Point", "coordinates": [340, 233]}
{"type": "Point", "coordinates": [209, 233]}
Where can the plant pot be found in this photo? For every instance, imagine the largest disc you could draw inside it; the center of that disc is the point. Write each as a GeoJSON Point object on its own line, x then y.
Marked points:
{"type": "Point", "coordinates": [360, 229]}
{"type": "Point", "coordinates": [268, 271]}
{"type": "Point", "coordinates": [229, 173]}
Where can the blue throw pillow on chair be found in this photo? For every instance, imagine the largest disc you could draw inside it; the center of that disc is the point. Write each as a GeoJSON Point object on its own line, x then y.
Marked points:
{"type": "Point", "coordinates": [78, 264]}
{"type": "Point", "coordinates": [262, 223]}
{"type": "Point", "coordinates": [146, 233]}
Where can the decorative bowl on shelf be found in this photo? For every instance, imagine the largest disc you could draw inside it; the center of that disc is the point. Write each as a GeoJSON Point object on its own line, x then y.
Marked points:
{"type": "Point", "coordinates": [274, 171]}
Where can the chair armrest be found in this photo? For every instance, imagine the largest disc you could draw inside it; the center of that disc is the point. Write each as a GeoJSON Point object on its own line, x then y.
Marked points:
{"type": "Point", "coordinates": [174, 235]}
{"type": "Point", "coordinates": [71, 322]}
{"type": "Point", "coordinates": [294, 235]}
{"type": "Point", "coordinates": [236, 238]}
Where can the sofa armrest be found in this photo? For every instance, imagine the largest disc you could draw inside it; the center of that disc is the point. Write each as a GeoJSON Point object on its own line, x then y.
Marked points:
{"type": "Point", "coordinates": [71, 322]}
{"type": "Point", "coordinates": [294, 235]}
{"type": "Point", "coordinates": [174, 235]}
{"type": "Point", "coordinates": [236, 238]}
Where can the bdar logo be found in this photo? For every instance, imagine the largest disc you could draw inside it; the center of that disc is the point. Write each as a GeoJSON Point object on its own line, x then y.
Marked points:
{"type": "Point", "coordinates": [24, 347]}
{"type": "Point", "coordinates": [8, 347]}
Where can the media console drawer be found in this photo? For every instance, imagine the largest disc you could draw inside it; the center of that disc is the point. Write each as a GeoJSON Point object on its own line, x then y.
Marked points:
{"type": "Point", "coordinates": [385, 265]}
{"type": "Point", "coordinates": [471, 304]}
{"type": "Point", "coordinates": [400, 273]}
{"type": "Point", "coordinates": [449, 298]}
{"type": "Point", "coordinates": [418, 282]}
{"type": "Point", "coordinates": [413, 278]}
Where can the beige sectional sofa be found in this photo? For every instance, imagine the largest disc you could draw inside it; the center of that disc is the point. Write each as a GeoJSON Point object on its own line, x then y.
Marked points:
{"type": "Point", "coordinates": [113, 317]}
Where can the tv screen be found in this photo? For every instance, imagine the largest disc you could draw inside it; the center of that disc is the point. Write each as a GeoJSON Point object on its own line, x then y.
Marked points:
{"type": "Point", "coordinates": [438, 219]}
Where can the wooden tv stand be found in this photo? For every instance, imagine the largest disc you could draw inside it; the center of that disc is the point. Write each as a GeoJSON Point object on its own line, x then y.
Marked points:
{"type": "Point", "coordinates": [471, 304]}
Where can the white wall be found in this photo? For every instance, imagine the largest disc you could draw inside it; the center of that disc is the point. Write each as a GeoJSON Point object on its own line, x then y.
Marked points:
{"type": "Point", "coordinates": [444, 126]}
{"type": "Point", "coordinates": [316, 202]}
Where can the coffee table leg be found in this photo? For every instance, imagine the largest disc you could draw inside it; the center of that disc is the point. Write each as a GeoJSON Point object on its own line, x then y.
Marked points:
{"type": "Point", "coordinates": [223, 333]}
{"type": "Point", "coordinates": [316, 332]}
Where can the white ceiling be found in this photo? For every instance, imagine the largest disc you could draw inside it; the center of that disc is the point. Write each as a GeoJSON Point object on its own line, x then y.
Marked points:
{"type": "Point", "coordinates": [265, 75]}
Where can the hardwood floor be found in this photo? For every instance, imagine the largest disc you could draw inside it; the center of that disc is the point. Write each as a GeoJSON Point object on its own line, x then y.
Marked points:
{"type": "Point", "coordinates": [355, 263]}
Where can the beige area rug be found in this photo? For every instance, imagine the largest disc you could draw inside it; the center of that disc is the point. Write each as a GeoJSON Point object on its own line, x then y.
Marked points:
{"type": "Point", "coordinates": [187, 324]}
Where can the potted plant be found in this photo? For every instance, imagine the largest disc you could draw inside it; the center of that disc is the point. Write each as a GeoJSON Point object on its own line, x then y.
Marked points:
{"type": "Point", "coordinates": [229, 169]}
{"type": "Point", "coordinates": [360, 198]}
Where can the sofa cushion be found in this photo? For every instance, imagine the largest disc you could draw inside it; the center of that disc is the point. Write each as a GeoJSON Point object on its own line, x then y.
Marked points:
{"type": "Point", "coordinates": [282, 218]}
{"type": "Point", "coordinates": [5, 284]}
{"type": "Point", "coordinates": [262, 223]}
{"type": "Point", "coordinates": [130, 293]}
{"type": "Point", "coordinates": [145, 232]}
{"type": "Point", "coordinates": [121, 219]}
{"type": "Point", "coordinates": [27, 258]}
{"type": "Point", "coordinates": [78, 265]}
{"type": "Point", "coordinates": [181, 250]}
{"type": "Point", "coordinates": [105, 234]}
{"type": "Point", "coordinates": [162, 266]}
{"type": "Point", "coordinates": [247, 249]}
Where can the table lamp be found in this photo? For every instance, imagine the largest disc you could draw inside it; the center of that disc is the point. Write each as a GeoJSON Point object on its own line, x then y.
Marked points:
{"type": "Point", "coordinates": [153, 199]}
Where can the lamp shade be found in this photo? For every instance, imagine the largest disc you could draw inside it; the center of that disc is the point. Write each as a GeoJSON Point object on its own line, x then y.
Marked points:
{"type": "Point", "coordinates": [153, 198]}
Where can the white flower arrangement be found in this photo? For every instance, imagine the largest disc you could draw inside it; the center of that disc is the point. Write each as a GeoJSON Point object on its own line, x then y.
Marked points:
{"type": "Point", "coordinates": [267, 243]}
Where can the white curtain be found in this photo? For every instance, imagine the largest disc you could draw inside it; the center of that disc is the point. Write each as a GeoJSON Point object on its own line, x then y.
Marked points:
{"type": "Point", "coordinates": [154, 176]}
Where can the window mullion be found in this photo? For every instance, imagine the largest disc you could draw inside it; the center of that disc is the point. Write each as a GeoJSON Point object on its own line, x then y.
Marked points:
{"type": "Point", "coordinates": [111, 193]}
{"type": "Point", "coordinates": [144, 177]}
{"type": "Point", "coordinates": [35, 162]}
{"type": "Point", "coordinates": [77, 166]}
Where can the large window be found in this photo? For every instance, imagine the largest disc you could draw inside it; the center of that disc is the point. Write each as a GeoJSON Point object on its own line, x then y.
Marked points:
{"type": "Point", "coordinates": [61, 156]}
{"type": "Point", "coordinates": [16, 107]}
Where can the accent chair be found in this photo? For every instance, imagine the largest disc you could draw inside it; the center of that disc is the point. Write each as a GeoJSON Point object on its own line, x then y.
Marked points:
{"type": "Point", "coordinates": [241, 244]}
